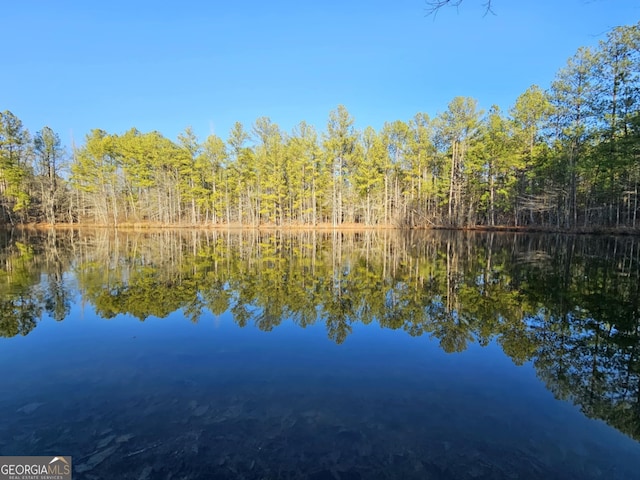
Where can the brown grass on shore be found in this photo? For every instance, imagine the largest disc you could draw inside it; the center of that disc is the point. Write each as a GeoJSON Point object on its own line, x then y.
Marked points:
{"type": "Point", "coordinates": [151, 226]}
{"type": "Point", "coordinates": [354, 227]}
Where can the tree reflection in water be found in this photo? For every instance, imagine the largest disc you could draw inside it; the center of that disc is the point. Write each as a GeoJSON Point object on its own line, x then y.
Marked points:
{"type": "Point", "coordinates": [569, 304]}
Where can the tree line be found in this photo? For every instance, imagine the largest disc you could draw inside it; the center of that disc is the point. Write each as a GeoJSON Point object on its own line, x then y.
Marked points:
{"type": "Point", "coordinates": [564, 158]}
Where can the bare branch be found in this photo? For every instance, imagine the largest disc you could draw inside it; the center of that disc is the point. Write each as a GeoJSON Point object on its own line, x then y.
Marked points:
{"type": "Point", "coordinates": [487, 8]}
{"type": "Point", "coordinates": [434, 6]}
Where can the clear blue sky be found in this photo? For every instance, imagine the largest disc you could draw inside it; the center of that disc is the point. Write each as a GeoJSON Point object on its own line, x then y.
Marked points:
{"type": "Point", "coordinates": [79, 65]}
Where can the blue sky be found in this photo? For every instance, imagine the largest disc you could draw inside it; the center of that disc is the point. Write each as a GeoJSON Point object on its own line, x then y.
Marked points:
{"type": "Point", "coordinates": [79, 65]}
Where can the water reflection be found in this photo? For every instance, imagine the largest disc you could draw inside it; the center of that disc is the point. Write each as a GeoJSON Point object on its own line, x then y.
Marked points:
{"type": "Point", "coordinates": [569, 304]}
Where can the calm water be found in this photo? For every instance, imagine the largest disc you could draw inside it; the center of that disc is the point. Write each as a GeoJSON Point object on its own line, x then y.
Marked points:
{"type": "Point", "coordinates": [201, 355]}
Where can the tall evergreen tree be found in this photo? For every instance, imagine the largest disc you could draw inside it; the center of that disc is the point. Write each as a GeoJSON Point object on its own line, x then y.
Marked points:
{"type": "Point", "coordinates": [14, 153]}
{"type": "Point", "coordinates": [536, 190]}
{"type": "Point", "coordinates": [340, 148]}
{"type": "Point", "coordinates": [458, 127]}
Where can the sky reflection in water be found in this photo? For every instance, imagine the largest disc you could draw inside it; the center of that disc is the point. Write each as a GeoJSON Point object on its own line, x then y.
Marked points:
{"type": "Point", "coordinates": [170, 398]}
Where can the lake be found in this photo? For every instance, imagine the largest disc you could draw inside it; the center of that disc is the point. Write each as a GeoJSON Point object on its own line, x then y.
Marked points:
{"type": "Point", "coordinates": [336, 355]}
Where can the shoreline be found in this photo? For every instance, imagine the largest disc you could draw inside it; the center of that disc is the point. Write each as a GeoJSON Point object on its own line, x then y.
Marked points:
{"type": "Point", "coordinates": [325, 227]}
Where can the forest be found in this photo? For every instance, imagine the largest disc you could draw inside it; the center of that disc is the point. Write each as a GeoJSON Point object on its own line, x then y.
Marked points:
{"type": "Point", "coordinates": [562, 158]}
